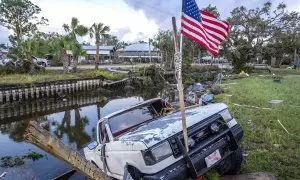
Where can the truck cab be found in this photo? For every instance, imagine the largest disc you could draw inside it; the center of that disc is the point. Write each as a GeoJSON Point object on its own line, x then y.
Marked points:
{"type": "Point", "coordinates": [146, 140]}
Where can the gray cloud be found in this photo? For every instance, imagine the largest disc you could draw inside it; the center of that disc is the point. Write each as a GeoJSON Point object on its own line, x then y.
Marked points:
{"type": "Point", "coordinates": [121, 32]}
{"type": "Point", "coordinates": [161, 11]}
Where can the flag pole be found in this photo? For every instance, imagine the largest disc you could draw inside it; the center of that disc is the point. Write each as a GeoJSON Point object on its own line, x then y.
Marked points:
{"type": "Point", "coordinates": [178, 67]}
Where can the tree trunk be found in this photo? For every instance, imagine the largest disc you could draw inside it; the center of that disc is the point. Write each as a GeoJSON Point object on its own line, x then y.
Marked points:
{"type": "Point", "coordinates": [75, 62]}
{"type": "Point", "coordinates": [65, 61]}
{"type": "Point", "coordinates": [32, 66]}
{"type": "Point", "coordinates": [97, 55]}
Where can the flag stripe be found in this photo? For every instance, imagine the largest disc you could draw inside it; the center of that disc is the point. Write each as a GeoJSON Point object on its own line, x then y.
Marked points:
{"type": "Point", "coordinates": [193, 30]}
{"type": "Point", "coordinates": [200, 41]}
{"type": "Point", "coordinates": [215, 32]}
{"type": "Point", "coordinates": [197, 27]}
{"type": "Point", "coordinates": [214, 21]}
{"type": "Point", "coordinates": [217, 38]}
{"type": "Point", "coordinates": [207, 13]}
{"type": "Point", "coordinates": [215, 28]}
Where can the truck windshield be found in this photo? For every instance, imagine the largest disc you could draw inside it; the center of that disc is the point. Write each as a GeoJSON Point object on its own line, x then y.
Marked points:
{"type": "Point", "coordinates": [127, 120]}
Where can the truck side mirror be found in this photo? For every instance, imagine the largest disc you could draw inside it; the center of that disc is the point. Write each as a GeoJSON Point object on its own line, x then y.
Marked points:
{"type": "Point", "coordinates": [92, 145]}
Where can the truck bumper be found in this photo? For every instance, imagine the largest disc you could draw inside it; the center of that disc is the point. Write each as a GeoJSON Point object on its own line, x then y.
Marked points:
{"type": "Point", "coordinates": [182, 169]}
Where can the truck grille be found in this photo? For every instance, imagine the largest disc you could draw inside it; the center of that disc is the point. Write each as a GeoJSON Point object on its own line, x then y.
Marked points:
{"type": "Point", "coordinates": [197, 135]}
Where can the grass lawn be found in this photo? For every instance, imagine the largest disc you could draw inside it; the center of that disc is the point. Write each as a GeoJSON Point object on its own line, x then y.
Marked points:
{"type": "Point", "coordinates": [51, 75]}
{"type": "Point", "coordinates": [267, 145]}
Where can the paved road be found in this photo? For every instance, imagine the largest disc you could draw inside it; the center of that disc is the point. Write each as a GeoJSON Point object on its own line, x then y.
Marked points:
{"type": "Point", "coordinates": [102, 66]}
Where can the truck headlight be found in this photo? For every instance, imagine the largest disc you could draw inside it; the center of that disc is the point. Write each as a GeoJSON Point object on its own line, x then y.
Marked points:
{"type": "Point", "coordinates": [226, 115]}
{"type": "Point", "coordinates": [157, 153]}
{"type": "Point", "coordinates": [162, 151]}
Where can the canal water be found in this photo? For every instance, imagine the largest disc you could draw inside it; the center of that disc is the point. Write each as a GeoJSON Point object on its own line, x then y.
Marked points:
{"type": "Point", "coordinates": [72, 119]}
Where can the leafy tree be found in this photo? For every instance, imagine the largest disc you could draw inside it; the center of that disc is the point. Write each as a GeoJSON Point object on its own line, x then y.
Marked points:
{"type": "Point", "coordinates": [213, 10]}
{"type": "Point", "coordinates": [20, 16]}
{"type": "Point", "coordinates": [97, 31]}
{"type": "Point", "coordinates": [250, 30]}
{"type": "Point", "coordinates": [110, 40]}
{"type": "Point", "coordinates": [121, 44]}
{"type": "Point", "coordinates": [164, 41]}
{"type": "Point", "coordinates": [74, 29]}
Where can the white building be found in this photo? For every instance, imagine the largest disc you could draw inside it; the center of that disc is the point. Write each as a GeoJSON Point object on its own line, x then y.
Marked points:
{"type": "Point", "coordinates": [139, 52]}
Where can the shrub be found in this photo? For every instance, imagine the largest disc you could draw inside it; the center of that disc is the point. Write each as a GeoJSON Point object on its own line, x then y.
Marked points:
{"type": "Point", "coordinates": [109, 75]}
{"type": "Point", "coordinates": [199, 74]}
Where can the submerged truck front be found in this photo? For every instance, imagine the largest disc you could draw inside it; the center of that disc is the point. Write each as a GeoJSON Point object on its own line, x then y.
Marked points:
{"type": "Point", "coordinates": [154, 149]}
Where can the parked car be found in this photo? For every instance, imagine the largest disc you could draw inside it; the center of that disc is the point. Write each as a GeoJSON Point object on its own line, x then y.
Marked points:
{"type": "Point", "coordinates": [40, 61]}
{"type": "Point", "coordinates": [8, 62]}
{"type": "Point", "coordinates": [146, 140]}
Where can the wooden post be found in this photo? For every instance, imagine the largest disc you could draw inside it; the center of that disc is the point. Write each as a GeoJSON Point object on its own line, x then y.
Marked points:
{"type": "Point", "coordinates": [295, 57]}
{"type": "Point", "coordinates": [43, 139]}
{"type": "Point", "coordinates": [14, 95]}
{"type": "Point", "coordinates": [180, 88]}
{"type": "Point", "coordinates": [1, 97]}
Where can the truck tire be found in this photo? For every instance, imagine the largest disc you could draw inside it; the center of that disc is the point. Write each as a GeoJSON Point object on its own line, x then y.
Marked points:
{"type": "Point", "coordinates": [134, 172]}
{"type": "Point", "coordinates": [232, 164]}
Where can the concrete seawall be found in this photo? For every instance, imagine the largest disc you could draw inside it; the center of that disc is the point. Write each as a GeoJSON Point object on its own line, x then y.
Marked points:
{"type": "Point", "coordinates": [23, 92]}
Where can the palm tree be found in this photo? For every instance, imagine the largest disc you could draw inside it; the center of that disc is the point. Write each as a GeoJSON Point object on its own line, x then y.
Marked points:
{"type": "Point", "coordinates": [32, 47]}
{"type": "Point", "coordinates": [97, 31]}
{"type": "Point", "coordinates": [74, 30]}
{"type": "Point", "coordinates": [77, 51]}
{"type": "Point", "coordinates": [63, 44]}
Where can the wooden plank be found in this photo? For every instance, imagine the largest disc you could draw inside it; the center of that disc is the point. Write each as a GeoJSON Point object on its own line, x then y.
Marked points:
{"type": "Point", "coordinates": [43, 139]}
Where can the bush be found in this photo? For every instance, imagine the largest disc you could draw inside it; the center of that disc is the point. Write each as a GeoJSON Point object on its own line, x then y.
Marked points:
{"type": "Point", "coordinates": [109, 75]}
{"type": "Point", "coordinates": [153, 72]}
{"type": "Point", "coordinates": [200, 74]}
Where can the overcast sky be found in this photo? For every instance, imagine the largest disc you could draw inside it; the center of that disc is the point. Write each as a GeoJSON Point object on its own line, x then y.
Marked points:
{"type": "Point", "coordinates": [130, 20]}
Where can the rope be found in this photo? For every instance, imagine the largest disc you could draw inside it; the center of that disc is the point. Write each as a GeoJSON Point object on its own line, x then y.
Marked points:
{"type": "Point", "coordinates": [178, 68]}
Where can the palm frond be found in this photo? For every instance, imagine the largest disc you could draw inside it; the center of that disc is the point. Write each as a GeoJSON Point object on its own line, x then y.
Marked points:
{"type": "Point", "coordinates": [81, 30]}
{"type": "Point", "coordinates": [66, 28]}
{"type": "Point", "coordinates": [74, 23]}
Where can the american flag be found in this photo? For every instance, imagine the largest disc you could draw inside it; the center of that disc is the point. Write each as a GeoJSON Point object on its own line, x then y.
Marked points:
{"type": "Point", "coordinates": [203, 27]}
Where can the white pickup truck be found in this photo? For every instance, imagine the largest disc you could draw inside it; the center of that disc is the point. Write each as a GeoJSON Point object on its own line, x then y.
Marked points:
{"type": "Point", "coordinates": [146, 140]}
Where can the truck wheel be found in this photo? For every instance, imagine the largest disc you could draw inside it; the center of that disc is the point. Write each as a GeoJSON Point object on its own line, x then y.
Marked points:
{"type": "Point", "coordinates": [134, 172]}
{"type": "Point", "coordinates": [232, 164]}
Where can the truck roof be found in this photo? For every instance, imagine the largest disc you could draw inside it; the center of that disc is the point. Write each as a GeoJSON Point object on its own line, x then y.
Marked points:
{"type": "Point", "coordinates": [130, 108]}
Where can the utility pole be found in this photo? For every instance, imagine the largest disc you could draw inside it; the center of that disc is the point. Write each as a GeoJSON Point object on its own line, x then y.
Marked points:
{"type": "Point", "coordinates": [150, 50]}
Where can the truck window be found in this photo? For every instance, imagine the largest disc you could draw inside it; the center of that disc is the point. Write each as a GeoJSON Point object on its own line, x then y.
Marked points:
{"type": "Point", "coordinates": [127, 120]}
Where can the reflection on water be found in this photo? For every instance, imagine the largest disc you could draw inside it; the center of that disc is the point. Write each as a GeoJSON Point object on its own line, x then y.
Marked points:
{"type": "Point", "coordinates": [73, 120]}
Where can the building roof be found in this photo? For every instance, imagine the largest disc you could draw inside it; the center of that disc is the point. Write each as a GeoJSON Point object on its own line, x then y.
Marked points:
{"type": "Point", "coordinates": [138, 47]}
{"type": "Point", "coordinates": [107, 48]}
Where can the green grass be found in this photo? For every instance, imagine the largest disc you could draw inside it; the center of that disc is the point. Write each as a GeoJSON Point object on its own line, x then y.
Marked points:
{"type": "Point", "coordinates": [261, 127]}
{"type": "Point", "coordinates": [57, 75]}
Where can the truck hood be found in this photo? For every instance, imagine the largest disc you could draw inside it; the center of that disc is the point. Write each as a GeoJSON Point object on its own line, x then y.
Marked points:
{"type": "Point", "coordinates": [164, 127]}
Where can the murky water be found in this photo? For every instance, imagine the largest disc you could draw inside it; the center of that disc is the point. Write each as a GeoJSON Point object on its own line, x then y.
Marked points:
{"type": "Point", "coordinates": [72, 119]}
